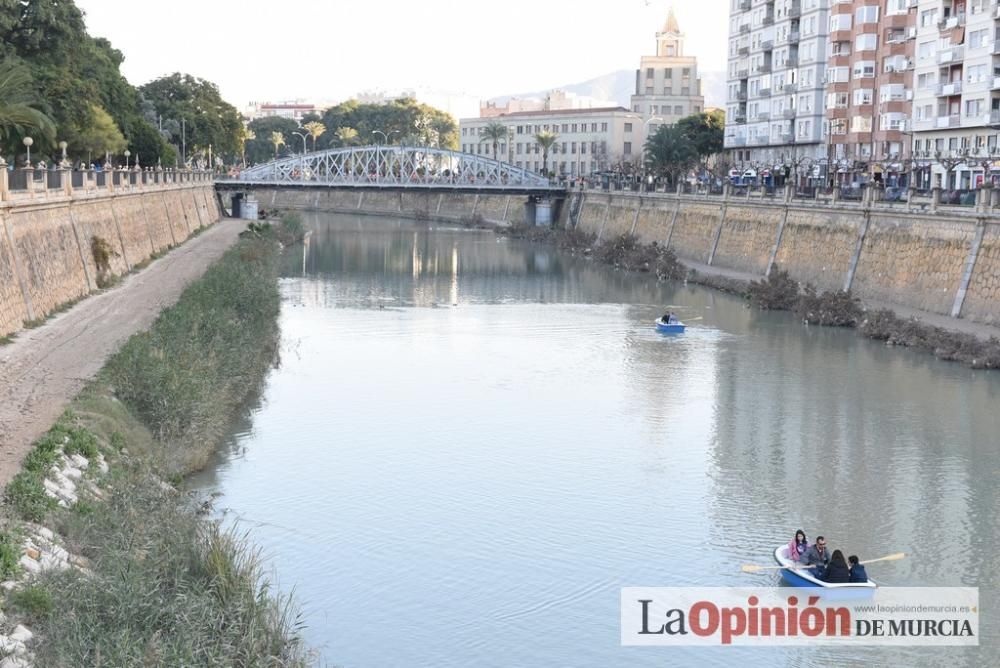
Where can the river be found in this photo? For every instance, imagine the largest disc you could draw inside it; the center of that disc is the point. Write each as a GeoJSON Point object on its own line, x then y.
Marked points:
{"type": "Point", "coordinates": [471, 444]}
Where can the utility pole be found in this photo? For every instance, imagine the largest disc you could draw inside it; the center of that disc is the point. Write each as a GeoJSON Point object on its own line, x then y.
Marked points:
{"type": "Point", "coordinates": [184, 141]}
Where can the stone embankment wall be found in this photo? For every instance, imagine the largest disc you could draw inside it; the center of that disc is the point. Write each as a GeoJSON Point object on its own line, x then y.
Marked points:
{"type": "Point", "coordinates": [499, 209]}
{"type": "Point", "coordinates": [47, 236]}
{"type": "Point", "coordinates": [945, 261]}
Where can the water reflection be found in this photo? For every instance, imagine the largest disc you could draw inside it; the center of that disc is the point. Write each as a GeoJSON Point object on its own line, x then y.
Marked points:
{"type": "Point", "coordinates": [489, 439]}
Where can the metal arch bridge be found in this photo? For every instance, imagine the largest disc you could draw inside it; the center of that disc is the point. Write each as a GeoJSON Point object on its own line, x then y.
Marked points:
{"type": "Point", "coordinates": [394, 167]}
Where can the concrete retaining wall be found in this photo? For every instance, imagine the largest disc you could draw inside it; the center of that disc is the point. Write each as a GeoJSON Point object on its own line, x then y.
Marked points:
{"type": "Point", "coordinates": [500, 209]}
{"type": "Point", "coordinates": [914, 259]}
{"type": "Point", "coordinates": [46, 245]}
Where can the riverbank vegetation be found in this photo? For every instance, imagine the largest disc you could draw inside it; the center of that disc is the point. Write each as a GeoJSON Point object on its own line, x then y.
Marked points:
{"type": "Point", "coordinates": [154, 581]}
{"type": "Point", "coordinates": [778, 292]}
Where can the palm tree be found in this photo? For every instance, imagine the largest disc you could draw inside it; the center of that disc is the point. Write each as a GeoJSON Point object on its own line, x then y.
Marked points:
{"type": "Point", "coordinates": [315, 130]}
{"type": "Point", "coordinates": [546, 140]}
{"type": "Point", "coordinates": [346, 135]}
{"type": "Point", "coordinates": [494, 132]}
{"type": "Point", "coordinates": [246, 135]}
{"type": "Point", "coordinates": [18, 104]}
{"type": "Point", "coordinates": [278, 140]}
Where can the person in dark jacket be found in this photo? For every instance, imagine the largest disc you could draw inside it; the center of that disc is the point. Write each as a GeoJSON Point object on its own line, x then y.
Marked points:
{"type": "Point", "coordinates": [858, 573]}
{"type": "Point", "coordinates": [836, 570]}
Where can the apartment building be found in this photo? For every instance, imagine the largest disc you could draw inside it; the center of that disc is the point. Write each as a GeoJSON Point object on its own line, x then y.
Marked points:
{"type": "Point", "coordinates": [588, 140]}
{"type": "Point", "coordinates": [667, 85]}
{"type": "Point", "coordinates": [869, 89]}
{"type": "Point", "coordinates": [956, 106]}
{"type": "Point", "coordinates": [776, 83]}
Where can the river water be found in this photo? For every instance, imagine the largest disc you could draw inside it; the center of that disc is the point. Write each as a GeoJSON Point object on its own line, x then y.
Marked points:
{"type": "Point", "coordinates": [471, 444]}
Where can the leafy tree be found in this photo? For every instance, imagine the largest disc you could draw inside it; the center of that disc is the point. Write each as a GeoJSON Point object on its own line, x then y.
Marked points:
{"type": "Point", "coordinates": [705, 131]}
{"type": "Point", "coordinates": [494, 133]}
{"type": "Point", "coordinates": [19, 106]}
{"type": "Point", "coordinates": [100, 136]}
{"type": "Point", "coordinates": [670, 152]}
{"type": "Point", "coordinates": [208, 119]}
{"type": "Point", "coordinates": [315, 130]}
{"type": "Point", "coordinates": [546, 140]}
{"type": "Point", "coordinates": [403, 120]}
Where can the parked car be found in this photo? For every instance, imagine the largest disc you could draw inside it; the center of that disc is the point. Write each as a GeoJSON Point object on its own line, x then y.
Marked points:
{"type": "Point", "coordinates": [893, 194]}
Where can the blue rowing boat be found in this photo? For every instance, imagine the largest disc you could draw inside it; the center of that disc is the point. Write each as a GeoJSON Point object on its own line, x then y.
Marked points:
{"type": "Point", "coordinates": [676, 327]}
{"type": "Point", "coordinates": [804, 577]}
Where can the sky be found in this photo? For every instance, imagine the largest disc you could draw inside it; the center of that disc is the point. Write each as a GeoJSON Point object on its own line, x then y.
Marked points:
{"type": "Point", "coordinates": [458, 51]}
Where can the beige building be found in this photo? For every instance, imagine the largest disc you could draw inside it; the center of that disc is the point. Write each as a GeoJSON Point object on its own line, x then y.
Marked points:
{"type": "Point", "coordinates": [667, 86]}
{"type": "Point", "coordinates": [588, 140]}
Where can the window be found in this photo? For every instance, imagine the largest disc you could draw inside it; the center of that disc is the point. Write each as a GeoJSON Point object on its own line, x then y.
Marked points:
{"type": "Point", "coordinates": [862, 96]}
{"type": "Point", "coordinates": [628, 127]}
{"type": "Point", "coordinates": [837, 75]}
{"type": "Point", "coordinates": [928, 18]}
{"type": "Point", "coordinates": [926, 80]}
{"type": "Point", "coordinates": [836, 100]}
{"type": "Point", "coordinates": [925, 50]}
{"type": "Point", "coordinates": [593, 127]}
{"type": "Point", "coordinates": [865, 42]}
{"type": "Point", "coordinates": [973, 108]}
{"type": "Point", "coordinates": [628, 148]}
{"type": "Point", "coordinates": [979, 38]}
{"type": "Point", "coordinates": [678, 110]}
{"type": "Point", "coordinates": [867, 14]}
{"type": "Point", "coordinates": [604, 127]}
{"type": "Point", "coordinates": [840, 22]}
{"type": "Point", "coordinates": [861, 124]}
{"type": "Point", "coordinates": [975, 73]}
{"type": "Point", "coordinates": [864, 69]}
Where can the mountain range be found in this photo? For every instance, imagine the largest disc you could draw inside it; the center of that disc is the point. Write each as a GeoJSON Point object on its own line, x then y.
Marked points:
{"type": "Point", "coordinates": [618, 86]}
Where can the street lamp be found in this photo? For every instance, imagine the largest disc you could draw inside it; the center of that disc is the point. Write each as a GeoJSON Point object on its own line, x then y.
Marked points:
{"type": "Point", "coordinates": [28, 141]}
{"type": "Point", "coordinates": [300, 134]}
{"type": "Point", "coordinates": [385, 137]}
{"type": "Point", "coordinates": [127, 154]}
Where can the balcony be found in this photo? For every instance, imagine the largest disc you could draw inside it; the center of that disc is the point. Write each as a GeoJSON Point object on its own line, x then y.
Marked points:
{"type": "Point", "coordinates": [740, 117]}
{"type": "Point", "coordinates": [949, 89]}
{"type": "Point", "coordinates": [996, 84]}
{"type": "Point", "coordinates": [763, 116]}
{"type": "Point", "coordinates": [996, 12]}
{"type": "Point", "coordinates": [787, 138]}
{"type": "Point", "coordinates": [744, 5]}
{"type": "Point", "coordinates": [793, 37]}
{"type": "Point", "coordinates": [996, 48]}
{"type": "Point", "coordinates": [789, 88]}
{"type": "Point", "coordinates": [764, 92]}
{"type": "Point", "coordinates": [952, 121]}
{"type": "Point", "coordinates": [744, 28]}
{"type": "Point", "coordinates": [791, 62]}
{"type": "Point", "coordinates": [760, 139]}
{"type": "Point", "coordinates": [736, 141]}
{"type": "Point", "coordinates": [743, 50]}
{"type": "Point", "coordinates": [767, 44]}
{"type": "Point", "coordinates": [951, 22]}
{"type": "Point", "coordinates": [794, 12]}
{"type": "Point", "coordinates": [952, 54]}
{"type": "Point", "coordinates": [742, 74]}
{"type": "Point", "coordinates": [768, 19]}
{"type": "Point", "coordinates": [995, 117]}
{"type": "Point", "coordinates": [788, 114]}
{"type": "Point", "coordinates": [764, 68]}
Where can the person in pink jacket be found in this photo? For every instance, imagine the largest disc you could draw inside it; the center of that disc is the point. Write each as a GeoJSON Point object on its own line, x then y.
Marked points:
{"type": "Point", "coordinates": [798, 546]}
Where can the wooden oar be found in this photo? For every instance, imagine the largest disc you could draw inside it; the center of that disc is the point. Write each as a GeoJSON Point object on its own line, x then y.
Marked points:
{"type": "Point", "coordinates": [752, 568]}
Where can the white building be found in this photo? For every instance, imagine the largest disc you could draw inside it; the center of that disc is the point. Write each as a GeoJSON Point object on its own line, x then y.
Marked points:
{"type": "Point", "coordinates": [667, 85]}
{"type": "Point", "coordinates": [294, 110]}
{"type": "Point", "coordinates": [776, 82]}
{"type": "Point", "coordinates": [956, 101]}
{"type": "Point", "coordinates": [589, 140]}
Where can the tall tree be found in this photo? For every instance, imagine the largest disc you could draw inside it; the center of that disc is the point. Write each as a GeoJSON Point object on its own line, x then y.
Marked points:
{"type": "Point", "coordinates": [315, 130]}
{"type": "Point", "coordinates": [546, 140]}
{"type": "Point", "coordinates": [346, 136]}
{"type": "Point", "coordinates": [670, 153]}
{"type": "Point", "coordinates": [258, 148]}
{"type": "Point", "coordinates": [208, 119]}
{"type": "Point", "coordinates": [705, 131]}
{"type": "Point", "coordinates": [401, 120]}
{"type": "Point", "coordinates": [494, 133]}
{"type": "Point", "coordinates": [278, 140]}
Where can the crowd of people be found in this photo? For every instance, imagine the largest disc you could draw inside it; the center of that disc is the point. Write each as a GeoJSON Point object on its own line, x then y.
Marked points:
{"type": "Point", "coordinates": [824, 565]}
